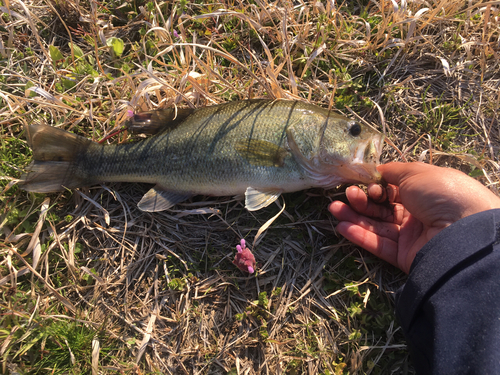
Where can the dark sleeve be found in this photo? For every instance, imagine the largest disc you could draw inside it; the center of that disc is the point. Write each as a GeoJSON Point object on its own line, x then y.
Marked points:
{"type": "Point", "coordinates": [449, 308]}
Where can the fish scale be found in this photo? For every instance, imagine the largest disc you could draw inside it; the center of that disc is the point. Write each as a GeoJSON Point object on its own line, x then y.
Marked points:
{"type": "Point", "coordinates": [260, 148]}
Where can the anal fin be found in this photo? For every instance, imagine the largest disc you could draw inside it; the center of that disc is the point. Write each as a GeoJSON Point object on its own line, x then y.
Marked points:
{"type": "Point", "coordinates": [257, 199]}
{"type": "Point", "coordinates": [157, 199]}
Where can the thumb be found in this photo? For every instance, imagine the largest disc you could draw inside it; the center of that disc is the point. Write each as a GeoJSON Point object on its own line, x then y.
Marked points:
{"type": "Point", "coordinates": [395, 173]}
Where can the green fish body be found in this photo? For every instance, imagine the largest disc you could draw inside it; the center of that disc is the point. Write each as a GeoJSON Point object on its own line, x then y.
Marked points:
{"type": "Point", "coordinates": [259, 148]}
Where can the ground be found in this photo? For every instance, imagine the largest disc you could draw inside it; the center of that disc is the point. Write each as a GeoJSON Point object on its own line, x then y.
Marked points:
{"type": "Point", "coordinates": [91, 284]}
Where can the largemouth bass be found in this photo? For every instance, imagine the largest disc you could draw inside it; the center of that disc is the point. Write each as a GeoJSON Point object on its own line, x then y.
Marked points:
{"type": "Point", "coordinates": [259, 148]}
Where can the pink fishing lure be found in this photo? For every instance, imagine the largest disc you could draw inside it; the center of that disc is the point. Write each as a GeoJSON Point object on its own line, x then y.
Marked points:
{"type": "Point", "coordinates": [244, 259]}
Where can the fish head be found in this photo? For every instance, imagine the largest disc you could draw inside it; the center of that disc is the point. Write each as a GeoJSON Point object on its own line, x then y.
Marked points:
{"type": "Point", "coordinates": [337, 150]}
{"type": "Point", "coordinates": [350, 150]}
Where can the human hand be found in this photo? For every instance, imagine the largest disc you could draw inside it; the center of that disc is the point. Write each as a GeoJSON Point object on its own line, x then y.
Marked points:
{"type": "Point", "coordinates": [423, 200]}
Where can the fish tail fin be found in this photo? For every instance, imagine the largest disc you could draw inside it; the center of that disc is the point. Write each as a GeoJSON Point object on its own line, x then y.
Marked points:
{"type": "Point", "coordinates": [55, 154]}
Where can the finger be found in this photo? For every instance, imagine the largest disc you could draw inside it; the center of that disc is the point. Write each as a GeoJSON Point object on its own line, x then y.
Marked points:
{"type": "Point", "coordinates": [377, 193]}
{"type": "Point", "coordinates": [393, 194]}
{"type": "Point", "coordinates": [360, 203]}
{"type": "Point", "coordinates": [384, 248]}
{"type": "Point", "coordinates": [345, 213]}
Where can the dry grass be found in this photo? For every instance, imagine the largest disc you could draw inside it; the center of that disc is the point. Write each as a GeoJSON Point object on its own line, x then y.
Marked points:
{"type": "Point", "coordinates": [157, 293]}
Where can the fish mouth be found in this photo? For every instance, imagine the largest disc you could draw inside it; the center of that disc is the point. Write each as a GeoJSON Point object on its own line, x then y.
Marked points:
{"type": "Point", "coordinates": [366, 158]}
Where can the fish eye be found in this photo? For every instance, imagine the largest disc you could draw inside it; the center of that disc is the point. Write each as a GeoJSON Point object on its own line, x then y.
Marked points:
{"type": "Point", "coordinates": [355, 129]}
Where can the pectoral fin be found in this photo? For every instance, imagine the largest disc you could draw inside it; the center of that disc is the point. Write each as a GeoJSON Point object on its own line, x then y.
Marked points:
{"type": "Point", "coordinates": [257, 199]}
{"type": "Point", "coordinates": [295, 150]}
{"type": "Point", "coordinates": [261, 153]}
{"type": "Point", "coordinates": [159, 200]}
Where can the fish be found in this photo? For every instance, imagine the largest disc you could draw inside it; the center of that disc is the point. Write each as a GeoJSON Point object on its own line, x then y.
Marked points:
{"type": "Point", "coordinates": [254, 148]}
